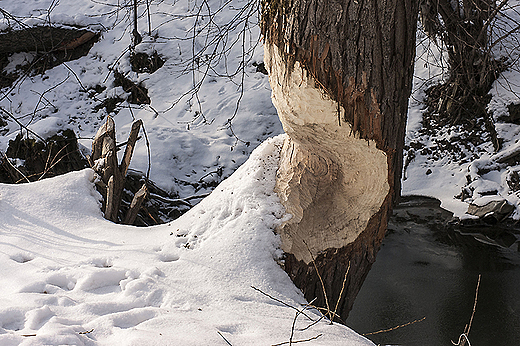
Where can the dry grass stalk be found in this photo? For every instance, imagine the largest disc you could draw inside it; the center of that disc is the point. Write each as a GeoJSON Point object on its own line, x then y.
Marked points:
{"type": "Point", "coordinates": [227, 342]}
{"type": "Point", "coordinates": [341, 292]}
{"type": "Point", "coordinates": [16, 169]}
{"type": "Point", "coordinates": [394, 328]}
{"type": "Point", "coordinates": [331, 315]}
{"type": "Point", "coordinates": [321, 281]}
{"type": "Point", "coordinates": [463, 338]}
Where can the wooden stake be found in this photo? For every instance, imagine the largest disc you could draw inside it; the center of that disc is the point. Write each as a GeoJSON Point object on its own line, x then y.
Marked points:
{"type": "Point", "coordinates": [132, 138]}
{"type": "Point", "coordinates": [137, 201]}
{"type": "Point", "coordinates": [112, 174]}
{"type": "Point", "coordinates": [110, 201]}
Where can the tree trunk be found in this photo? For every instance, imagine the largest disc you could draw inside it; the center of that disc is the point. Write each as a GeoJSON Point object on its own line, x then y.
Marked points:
{"type": "Point", "coordinates": [341, 74]}
{"type": "Point", "coordinates": [466, 36]}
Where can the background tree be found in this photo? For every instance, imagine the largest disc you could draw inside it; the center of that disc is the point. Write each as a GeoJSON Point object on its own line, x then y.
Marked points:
{"type": "Point", "coordinates": [468, 31]}
{"type": "Point", "coordinates": [341, 75]}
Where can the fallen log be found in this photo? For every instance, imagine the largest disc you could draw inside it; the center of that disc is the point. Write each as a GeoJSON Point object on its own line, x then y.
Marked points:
{"type": "Point", "coordinates": [44, 39]}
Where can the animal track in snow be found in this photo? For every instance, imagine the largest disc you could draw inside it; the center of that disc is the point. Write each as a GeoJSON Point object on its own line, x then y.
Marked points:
{"type": "Point", "coordinates": [11, 319]}
{"type": "Point", "coordinates": [22, 257]}
{"type": "Point", "coordinates": [132, 318]}
{"type": "Point", "coordinates": [41, 287]}
{"type": "Point", "coordinates": [168, 257]}
{"type": "Point", "coordinates": [36, 318]}
{"type": "Point", "coordinates": [103, 280]}
{"type": "Point", "coordinates": [62, 281]}
{"type": "Point", "coordinates": [101, 262]}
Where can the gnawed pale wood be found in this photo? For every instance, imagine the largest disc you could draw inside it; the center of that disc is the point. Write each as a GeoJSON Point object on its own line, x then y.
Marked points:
{"type": "Point", "coordinates": [137, 201]}
{"type": "Point", "coordinates": [109, 210]}
{"type": "Point", "coordinates": [132, 138]}
{"type": "Point", "coordinates": [108, 154]}
{"type": "Point", "coordinates": [329, 179]}
{"type": "Point", "coordinates": [107, 129]}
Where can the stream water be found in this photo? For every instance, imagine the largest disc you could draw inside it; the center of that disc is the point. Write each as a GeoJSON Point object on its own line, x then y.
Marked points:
{"type": "Point", "coordinates": [427, 268]}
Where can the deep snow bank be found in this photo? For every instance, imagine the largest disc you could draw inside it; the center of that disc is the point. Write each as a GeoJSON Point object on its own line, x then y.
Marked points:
{"type": "Point", "coordinates": [70, 277]}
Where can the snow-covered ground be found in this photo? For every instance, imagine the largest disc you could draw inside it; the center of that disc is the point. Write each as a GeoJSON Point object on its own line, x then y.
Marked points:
{"type": "Point", "coordinates": [70, 277]}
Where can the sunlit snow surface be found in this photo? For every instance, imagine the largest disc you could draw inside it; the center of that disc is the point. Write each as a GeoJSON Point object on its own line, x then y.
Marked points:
{"type": "Point", "coordinates": [69, 277]}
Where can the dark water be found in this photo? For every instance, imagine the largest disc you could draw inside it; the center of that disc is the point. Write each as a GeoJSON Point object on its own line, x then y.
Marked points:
{"type": "Point", "coordinates": [425, 268]}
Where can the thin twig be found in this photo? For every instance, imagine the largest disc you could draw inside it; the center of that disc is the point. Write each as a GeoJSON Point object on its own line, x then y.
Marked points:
{"type": "Point", "coordinates": [474, 306]}
{"type": "Point", "coordinates": [21, 125]}
{"type": "Point", "coordinates": [298, 341]}
{"type": "Point", "coordinates": [293, 325]}
{"type": "Point", "coordinates": [86, 332]}
{"type": "Point", "coordinates": [17, 170]}
{"type": "Point", "coordinates": [219, 333]}
{"type": "Point", "coordinates": [296, 317]}
{"type": "Point", "coordinates": [279, 301]}
{"type": "Point", "coordinates": [394, 328]}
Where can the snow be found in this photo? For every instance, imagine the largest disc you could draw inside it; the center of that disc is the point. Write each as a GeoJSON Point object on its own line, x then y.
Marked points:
{"type": "Point", "coordinates": [190, 134]}
{"type": "Point", "coordinates": [69, 276]}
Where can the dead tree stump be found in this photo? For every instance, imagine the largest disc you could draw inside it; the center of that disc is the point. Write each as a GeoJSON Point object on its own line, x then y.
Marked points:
{"type": "Point", "coordinates": [104, 162]}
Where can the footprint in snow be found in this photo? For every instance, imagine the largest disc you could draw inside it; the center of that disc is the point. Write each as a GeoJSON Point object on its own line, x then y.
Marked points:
{"type": "Point", "coordinates": [11, 319]}
{"type": "Point", "coordinates": [35, 319]}
{"type": "Point", "coordinates": [101, 280]}
{"type": "Point", "coordinates": [168, 257]}
{"type": "Point", "coordinates": [22, 257]}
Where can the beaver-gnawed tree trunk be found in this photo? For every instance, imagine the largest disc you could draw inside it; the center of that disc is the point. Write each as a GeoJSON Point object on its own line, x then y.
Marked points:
{"type": "Point", "coordinates": [341, 75]}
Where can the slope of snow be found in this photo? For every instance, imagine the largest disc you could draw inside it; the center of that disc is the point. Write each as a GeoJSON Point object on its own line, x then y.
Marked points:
{"type": "Point", "coordinates": [70, 277]}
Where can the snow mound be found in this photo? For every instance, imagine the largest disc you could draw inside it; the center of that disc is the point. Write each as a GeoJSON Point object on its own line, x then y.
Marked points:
{"type": "Point", "coordinates": [69, 277]}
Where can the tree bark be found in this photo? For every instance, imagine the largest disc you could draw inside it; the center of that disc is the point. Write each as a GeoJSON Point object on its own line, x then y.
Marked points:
{"type": "Point", "coordinates": [341, 75]}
